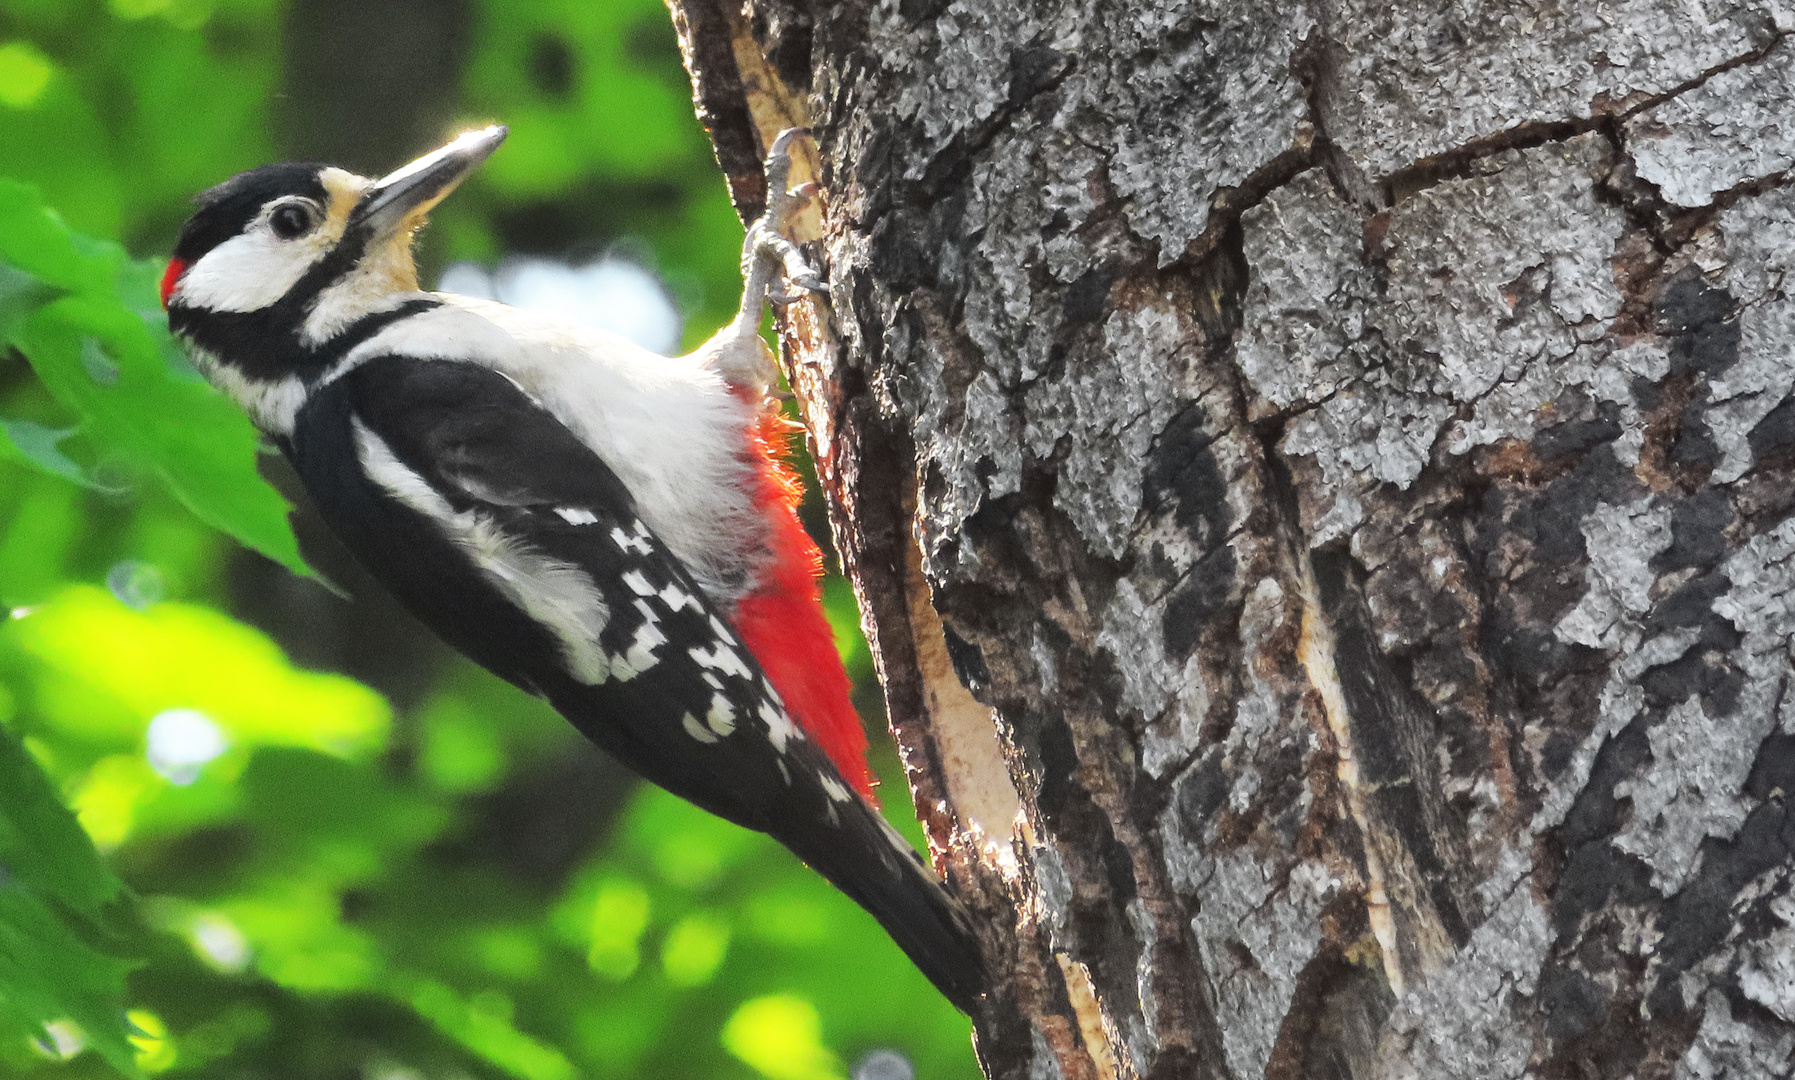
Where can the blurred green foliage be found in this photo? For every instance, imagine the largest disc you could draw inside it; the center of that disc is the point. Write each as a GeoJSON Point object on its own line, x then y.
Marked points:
{"type": "Point", "coordinates": [314, 882]}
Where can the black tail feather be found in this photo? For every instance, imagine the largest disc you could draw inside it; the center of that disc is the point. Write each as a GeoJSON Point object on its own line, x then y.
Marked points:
{"type": "Point", "coordinates": [867, 859]}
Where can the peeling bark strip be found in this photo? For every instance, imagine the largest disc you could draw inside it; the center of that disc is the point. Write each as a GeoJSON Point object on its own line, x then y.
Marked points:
{"type": "Point", "coordinates": [1345, 456]}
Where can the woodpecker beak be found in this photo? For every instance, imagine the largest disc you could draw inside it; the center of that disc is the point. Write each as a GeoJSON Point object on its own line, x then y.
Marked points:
{"type": "Point", "coordinates": [415, 189]}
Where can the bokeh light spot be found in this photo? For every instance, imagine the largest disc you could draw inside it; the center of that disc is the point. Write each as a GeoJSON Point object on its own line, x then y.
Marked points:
{"type": "Point", "coordinates": [217, 940]}
{"type": "Point", "coordinates": [619, 915]}
{"type": "Point", "coordinates": [181, 742]}
{"type": "Point", "coordinates": [689, 860]}
{"type": "Point", "coordinates": [611, 294]}
{"type": "Point", "coordinates": [884, 1065]}
{"type": "Point", "coordinates": [155, 1050]}
{"type": "Point", "coordinates": [694, 949]}
{"type": "Point", "coordinates": [24, 73]}
{"type": "Point", "coordinates": [781, 1037]}
{"type": "Point", "coordinates": [136, 584]}
{"type": "Point", "coordinates": [512, 952]}
{"type": "Point", "coordinates": [62, 1039]}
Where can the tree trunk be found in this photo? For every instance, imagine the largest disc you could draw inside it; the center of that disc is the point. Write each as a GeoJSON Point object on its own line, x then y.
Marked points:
{"type": "Point", "coordinates": [1321, 486]}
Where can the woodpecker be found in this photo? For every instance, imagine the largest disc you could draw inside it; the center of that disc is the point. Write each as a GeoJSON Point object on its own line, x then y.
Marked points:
{"type": "Point", "coordinates": [604, 527]}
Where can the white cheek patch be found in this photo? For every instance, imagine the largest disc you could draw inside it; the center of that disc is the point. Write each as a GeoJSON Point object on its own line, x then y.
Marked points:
{"type": "Point", "coordinates": [249, 272]}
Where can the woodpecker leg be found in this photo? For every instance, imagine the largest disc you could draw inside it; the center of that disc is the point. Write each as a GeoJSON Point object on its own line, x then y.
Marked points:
{"type": "Point", "coordinates": [742, 356]}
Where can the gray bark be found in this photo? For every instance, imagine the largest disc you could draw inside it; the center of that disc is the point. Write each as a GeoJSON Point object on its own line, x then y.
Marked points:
{"type": "Point", "coordinates": [1321, 483]}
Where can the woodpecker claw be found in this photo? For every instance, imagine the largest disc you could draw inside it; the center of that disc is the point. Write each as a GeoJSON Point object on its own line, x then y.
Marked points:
{"type": "Point", "coordinates": [766, 237]}
{"type": "Point", "coordinates": [800, 197]}
{"type": "Point", "coordinates": [808, 282]}
{"type": "Point", "coordinates": [738, 353]}
{"type": "Point", "coordinates": [779, 162]}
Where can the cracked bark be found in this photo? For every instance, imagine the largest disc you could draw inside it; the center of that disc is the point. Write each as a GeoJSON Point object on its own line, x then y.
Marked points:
{"type": "Point", "coordinates": [1321, 485]}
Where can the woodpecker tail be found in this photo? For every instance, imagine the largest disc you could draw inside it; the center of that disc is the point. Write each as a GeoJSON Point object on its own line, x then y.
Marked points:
{"type": "Point", "coordinates": [877, 868]}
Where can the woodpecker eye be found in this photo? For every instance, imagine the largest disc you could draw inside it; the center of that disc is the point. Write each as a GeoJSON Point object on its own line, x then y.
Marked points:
{"type": "Point", "coordinates": [291, 220]}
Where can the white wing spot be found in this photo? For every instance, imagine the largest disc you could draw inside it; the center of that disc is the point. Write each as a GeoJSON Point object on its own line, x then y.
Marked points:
{"type": "Point", "coordinates": [641, 656]}
{"type": "Point", "coordinates": [677, 598]}
{"type": "Point", "coordinates": [638, 583]}
{"type": "Point", "coordinates": [722, 715]}
{"type": "Point", "coordinates": [780, 729]}
{"type": "Point", "coordinates": [711, 680]}
{"type": "Point", "coordinates": [834, 789]}
{"type": "Point", "coordinates": [574, 515]}
{"type": "Point", "coordinates": [637, 540]}
{"type": "Point", "coordinates": [722, 658]}
{"type": "Point", "coordinates": [721, 631]}
{"type": "Point", "coordinates": [690, 723]}
{"type": "Point", "coordinates": [783, 771]}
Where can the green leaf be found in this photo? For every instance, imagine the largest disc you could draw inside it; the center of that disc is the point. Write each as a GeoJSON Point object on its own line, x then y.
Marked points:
{"type": "Point", "coordinates": [42, 446]}
{"type": "Point", "coordinates": [103, 350]}
{"type": "Point", "coordinates": [34, 239]}
{"type": "Point", "coordinates": [54, 138]}
{"type": "Point", "coordinates": [20, 295]}
{"type": "Point", "coordinates": [67, 937]}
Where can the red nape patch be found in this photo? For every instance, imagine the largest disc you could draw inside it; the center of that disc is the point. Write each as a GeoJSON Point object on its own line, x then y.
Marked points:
{"type": "Point", "coordinates": [170, 278]}
{"type": "Point", "coordinates": [783, 623]}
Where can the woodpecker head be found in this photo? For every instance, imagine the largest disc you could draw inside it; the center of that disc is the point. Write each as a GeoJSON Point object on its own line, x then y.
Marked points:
{"type": "Point", "coordinates": [282, 265]}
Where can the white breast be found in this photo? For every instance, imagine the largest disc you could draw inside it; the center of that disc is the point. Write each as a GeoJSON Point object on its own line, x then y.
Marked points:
{"type": "Point", "coordinates": [669, 428]}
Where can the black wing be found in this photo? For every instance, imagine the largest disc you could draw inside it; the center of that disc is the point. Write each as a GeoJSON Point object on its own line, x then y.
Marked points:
{"type": "Point", "coordinates": [514, 541]}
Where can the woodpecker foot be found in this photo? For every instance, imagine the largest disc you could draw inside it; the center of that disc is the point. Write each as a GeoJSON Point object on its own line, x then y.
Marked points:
{"type": "Point", "coordinates": [764, 243]}
{"type": "Point", "coordinates": [765, 247]}
{"type": "Point", "coordinates": [766, 237]}
{"type": "Point", "coordinates": [738, 353]}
